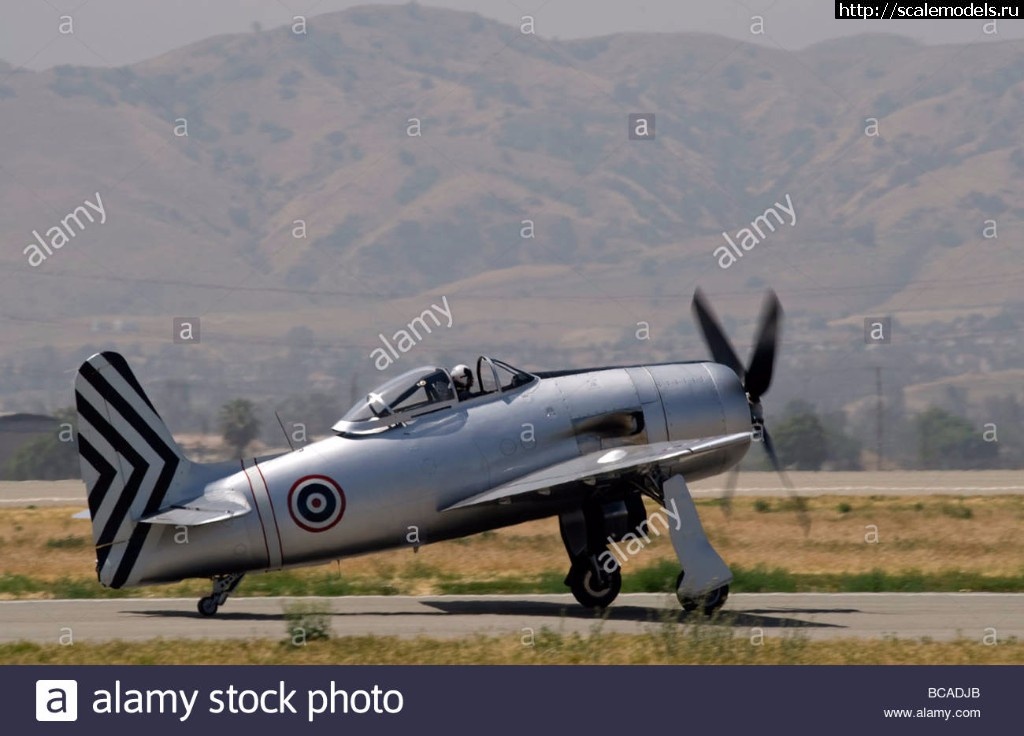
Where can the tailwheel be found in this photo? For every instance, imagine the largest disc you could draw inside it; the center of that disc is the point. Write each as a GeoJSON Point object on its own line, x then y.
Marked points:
{"type": "Point", "coordinates": [223, 586]}
{"type": "Point", "coordinates": [707, 603]}
{"type": "Point", "coordinates": [208, 606]}
{"type": "Point", "coordinates": [593, 588]}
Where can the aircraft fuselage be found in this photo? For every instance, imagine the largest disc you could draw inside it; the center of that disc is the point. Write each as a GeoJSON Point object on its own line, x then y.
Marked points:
{"type": "Point", "coordinates": [350, 495]}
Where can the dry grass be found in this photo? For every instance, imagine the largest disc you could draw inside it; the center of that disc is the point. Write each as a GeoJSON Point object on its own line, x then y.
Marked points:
{"type": "Point", "coordinates": [706, 644]}
{"type": "Point", "coordinates": [978, 535]}
{"type": "Point", "coordinates": [933, 534]}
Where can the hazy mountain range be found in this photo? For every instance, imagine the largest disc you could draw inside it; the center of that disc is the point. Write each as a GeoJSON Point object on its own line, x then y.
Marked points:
{"type": "Point", "coordinates": [298, 204]}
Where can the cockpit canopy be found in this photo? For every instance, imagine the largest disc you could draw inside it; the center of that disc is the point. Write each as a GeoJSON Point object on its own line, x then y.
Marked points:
{"type": "Point", "coordinates": [421, 388]}
{"type": "Point", "coordinates": [425, 390]}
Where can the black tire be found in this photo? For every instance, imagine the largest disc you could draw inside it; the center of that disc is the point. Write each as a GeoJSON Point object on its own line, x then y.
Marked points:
{"type": "Point", "coordinates": [689, 604]}
{"type": "Point", "coordinates": [584, 586]}
{"type": "Point", "coordinates": [708, 603]}
{"type": "Point", "coordinates": [207, 606]}
{"type": "Point", "coordinates": [715, 600]}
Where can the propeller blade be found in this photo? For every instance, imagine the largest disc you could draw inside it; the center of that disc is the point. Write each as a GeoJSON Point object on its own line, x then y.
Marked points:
{"type": "Point", "coordinates": [762, 362]}
{"type": "Point", "coordinates": [714, 335]}
{"type": "Point", "coordinates": [769, 448]}
{"type": "Point", "coordinates": [730, 490]}
{"type": "Point", "coordinates": [756, 379]}
{"type": "Point", "coordinates": [798, 502]}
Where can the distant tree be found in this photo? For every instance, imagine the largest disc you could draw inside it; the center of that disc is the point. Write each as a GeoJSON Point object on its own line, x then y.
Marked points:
{"type": "Point", "coordinates": [843, 449]}
{"type": "Point", "coordinates": [52, 456]}
{"type": "Point", "coordinates": [239, 424]}
{"type": "Point", "coordinates": [800, 437]}
{"type": "Point", "coordinates": [948, 441]}
{"type": "Point", "coordinates": [316, 412]}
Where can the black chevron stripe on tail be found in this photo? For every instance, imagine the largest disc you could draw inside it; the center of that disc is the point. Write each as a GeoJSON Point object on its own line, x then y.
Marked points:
{"type": "Point", "coordinates": [98, 491]}
{"type": "Point", "coordinates": [130, 463]}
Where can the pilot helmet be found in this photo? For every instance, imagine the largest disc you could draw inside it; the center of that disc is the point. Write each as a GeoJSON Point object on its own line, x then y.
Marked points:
{"type": "Point", "coordinates": [462, 376]}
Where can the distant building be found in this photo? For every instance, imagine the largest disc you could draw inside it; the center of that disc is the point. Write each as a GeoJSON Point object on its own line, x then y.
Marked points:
{"type": "Point", "coordinates": [17, 430]}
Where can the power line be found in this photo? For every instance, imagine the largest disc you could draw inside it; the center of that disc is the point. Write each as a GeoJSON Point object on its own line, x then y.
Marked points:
{"type": "Point", "coordinates": [879, 406]}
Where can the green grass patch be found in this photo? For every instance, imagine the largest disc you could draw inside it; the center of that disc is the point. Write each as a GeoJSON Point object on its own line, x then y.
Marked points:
{"type": "Point", "coordinates": [956, 511]}
{"type": "Point", "coordinates": [23, 586]}
{"type": "Point", "coordinates": [307, 621]}
{"type": "Point", "coordinates": [69, 542]}
{"type": "Point", "coordinates": [777, 580]}
{"type": "Point", "coordinates": [549, 582]}
{"type": "Point", "coordinates": [661, 577]}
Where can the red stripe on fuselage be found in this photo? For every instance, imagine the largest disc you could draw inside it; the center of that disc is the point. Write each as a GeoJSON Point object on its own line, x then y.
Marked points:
{"type": "Point", "coordinates": [256, 503]}
{"type": "Point", "coordinates": [273, 513]}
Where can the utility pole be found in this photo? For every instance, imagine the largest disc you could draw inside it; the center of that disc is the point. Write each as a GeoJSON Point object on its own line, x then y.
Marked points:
{"type": "Point", "coordinates": [879, 407]}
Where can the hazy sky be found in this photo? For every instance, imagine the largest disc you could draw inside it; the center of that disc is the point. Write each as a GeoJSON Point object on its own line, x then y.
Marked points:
{"type": "Point", "coordinates": [114, 32]}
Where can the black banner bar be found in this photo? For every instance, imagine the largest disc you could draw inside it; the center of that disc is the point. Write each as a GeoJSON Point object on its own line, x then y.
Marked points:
{"type": "Point", "coordinates": [517, 701]}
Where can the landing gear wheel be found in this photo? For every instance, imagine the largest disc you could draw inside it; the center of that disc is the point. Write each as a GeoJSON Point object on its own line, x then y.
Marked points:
{"type": "Point", "coordinates": [589, 590]}
{"type": "Point", "coordinates": [208, 606]}
{"type": "Point", "coordinates": [708, 603]}
{"type": "Point", "coordinates": [223, 586]}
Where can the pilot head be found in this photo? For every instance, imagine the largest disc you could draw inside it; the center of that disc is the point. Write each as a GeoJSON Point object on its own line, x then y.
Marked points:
{"type": "Point", "coordinates": [462, 376]}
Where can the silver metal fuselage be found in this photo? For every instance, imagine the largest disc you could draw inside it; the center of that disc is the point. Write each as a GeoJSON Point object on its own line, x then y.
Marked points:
{"type": "Point", "coordinates": [395, 482]}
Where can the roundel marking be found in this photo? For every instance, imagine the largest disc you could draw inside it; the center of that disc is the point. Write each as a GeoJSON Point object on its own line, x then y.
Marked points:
{"type": "Point", "coordinates": [316, 503]}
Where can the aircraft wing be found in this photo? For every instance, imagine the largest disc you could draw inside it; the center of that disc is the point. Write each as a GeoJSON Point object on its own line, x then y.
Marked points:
{"type": "Point", "coordinates": [605, 463]}
{"type": "Point", "coordinates": [213, 506]}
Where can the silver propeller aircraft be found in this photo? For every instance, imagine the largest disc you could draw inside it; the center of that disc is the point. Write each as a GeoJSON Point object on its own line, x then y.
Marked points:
{"type": "Point", "coordinates": [585, 445]}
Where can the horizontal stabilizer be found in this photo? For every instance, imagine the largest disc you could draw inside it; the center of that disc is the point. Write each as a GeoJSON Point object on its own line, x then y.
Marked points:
{"type": "Point", "coordinates": [604, 463]}
{"type": "Point", "coordinates": [211, 507]}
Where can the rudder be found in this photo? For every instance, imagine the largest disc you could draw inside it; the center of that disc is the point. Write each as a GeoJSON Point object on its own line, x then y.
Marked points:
{"type": "Point", "coordinates": [129, 460]}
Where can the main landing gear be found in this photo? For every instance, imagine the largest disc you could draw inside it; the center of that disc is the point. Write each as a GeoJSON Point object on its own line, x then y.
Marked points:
{"type": "Point", "coordinates": [592, 586]}
{"type": "Point", "coordinates": [595, 576]}
{"type": "Point", "coordinates": [223, 586]}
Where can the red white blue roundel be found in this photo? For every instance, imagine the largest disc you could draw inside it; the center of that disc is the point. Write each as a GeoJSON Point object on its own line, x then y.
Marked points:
{"type": "Point", "coordinates": [316, 503]}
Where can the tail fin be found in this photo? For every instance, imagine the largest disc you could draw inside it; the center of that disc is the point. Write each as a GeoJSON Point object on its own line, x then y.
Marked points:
{"type": "Point", "coordinates": [130, 463]}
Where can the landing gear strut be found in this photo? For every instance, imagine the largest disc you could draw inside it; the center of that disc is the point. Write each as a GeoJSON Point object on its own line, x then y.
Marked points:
{"type": "Point", "coordinates": [704, 582]}
{"type": "Point", "coordinates": [223, 586]}
{"type": "Point", "coordinates": [595, 577]}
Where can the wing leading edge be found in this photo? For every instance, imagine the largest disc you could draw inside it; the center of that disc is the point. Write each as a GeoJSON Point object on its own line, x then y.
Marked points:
{"type": "Point", "coordinates": [605, 463]}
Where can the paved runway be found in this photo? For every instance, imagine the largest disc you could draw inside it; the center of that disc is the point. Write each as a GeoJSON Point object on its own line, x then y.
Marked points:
{"type": "Point", "coordinates": [23, 493]}
{"type": "Point", "coordinates": [941, 616]}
